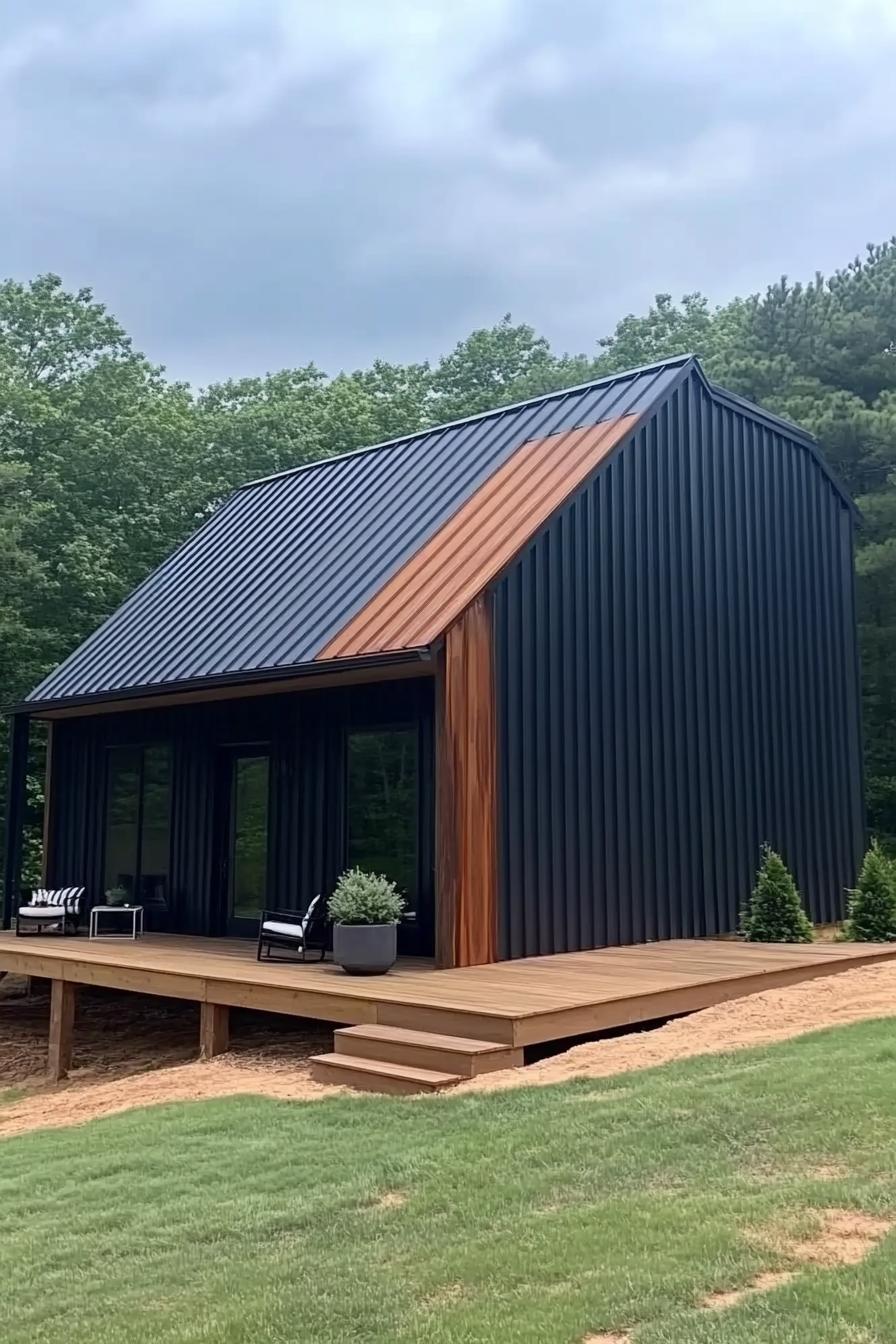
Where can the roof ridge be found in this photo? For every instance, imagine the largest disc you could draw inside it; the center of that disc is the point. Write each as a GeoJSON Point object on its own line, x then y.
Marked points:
{"type": "Point", "coordinates": [670, 362]}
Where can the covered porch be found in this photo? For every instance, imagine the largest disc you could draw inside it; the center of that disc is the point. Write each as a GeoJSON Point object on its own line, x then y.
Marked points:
{"type": "Point", "coordinates": [205, 806]}
{"type": "Point", "coordinates": [204, 811]}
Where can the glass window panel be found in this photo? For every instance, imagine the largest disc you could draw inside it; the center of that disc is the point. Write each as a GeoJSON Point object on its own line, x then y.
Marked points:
{"type": "Point", "coordinates": [122, 818]}
{"type": "Point", "coordinates": [249, 830]}
{"type": "Point", "coordinates": [382, 804]}
{"type": "Point", "coordinates": [155, 844]}
{"type": "Point", "coordinates": [138, 822]}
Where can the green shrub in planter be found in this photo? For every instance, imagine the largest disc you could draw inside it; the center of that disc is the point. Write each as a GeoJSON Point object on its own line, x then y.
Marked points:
{"type": "Point", "coordinates": [365, 909]}
{"type": "Point", "coordinates": [116, 896]}
{"type": "Point", "coordinates": [365, 898]}
{"type": "Point", "coordinates": [872, 902]}
{"type": "Point", "coordinates": [775, 911]}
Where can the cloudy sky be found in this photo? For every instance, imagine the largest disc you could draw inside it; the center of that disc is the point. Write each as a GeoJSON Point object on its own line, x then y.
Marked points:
{"type": "Point", "coordinates": [250, 184]}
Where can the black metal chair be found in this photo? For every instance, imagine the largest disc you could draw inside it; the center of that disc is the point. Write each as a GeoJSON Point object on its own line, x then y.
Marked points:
{"type": "Point", "coordinates": [289, 931]}
{"type": "Point", "coordinates": [51, 910]}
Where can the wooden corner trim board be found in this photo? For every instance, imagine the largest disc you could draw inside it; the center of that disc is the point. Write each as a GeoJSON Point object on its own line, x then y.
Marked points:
{"type": "Point", "coordinates": [432, 589]}
{"type": "Point", "coordinates": [466, 793]}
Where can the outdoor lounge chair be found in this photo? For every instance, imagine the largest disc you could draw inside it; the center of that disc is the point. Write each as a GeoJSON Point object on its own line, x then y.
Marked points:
{"type": "Point", "coordinates": [292, 932]}
{"type": "Point", "coordinates": [53, 910]}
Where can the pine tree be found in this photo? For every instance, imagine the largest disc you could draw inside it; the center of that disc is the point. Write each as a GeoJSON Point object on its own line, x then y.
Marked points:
{"type": "Point", "coordinates": [775, 911]}
{"type": "Point", "coordinates": [872, 902]}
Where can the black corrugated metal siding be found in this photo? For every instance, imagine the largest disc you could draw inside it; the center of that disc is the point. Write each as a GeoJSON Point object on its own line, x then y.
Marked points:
{"type": "Point", "coordinates": [677, 682]}
{"type": "Point", "coordinates": [281, 567]}
{"type": "Point", "coordinates": [306, 736]}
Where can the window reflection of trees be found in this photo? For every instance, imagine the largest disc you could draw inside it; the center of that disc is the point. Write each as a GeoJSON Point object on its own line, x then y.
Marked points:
{"type": "Point", "coordinates": [382, 777]}
{"type": "Point", "coordinates": [138, 822]}
{"type": "Point", "coordinates": [249, 822]}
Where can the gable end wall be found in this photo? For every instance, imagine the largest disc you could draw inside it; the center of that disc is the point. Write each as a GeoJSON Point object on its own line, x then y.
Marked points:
{"type": "Point", "coordinates": [676, 682]}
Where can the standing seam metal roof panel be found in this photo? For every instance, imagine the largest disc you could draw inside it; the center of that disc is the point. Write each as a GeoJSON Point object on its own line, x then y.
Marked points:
{"type": "Point", "coordinates": [285, 563]}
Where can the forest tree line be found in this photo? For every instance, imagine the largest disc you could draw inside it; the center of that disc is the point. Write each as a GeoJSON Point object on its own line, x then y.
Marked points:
{"type": "Point", "coordinates": [106, 464]}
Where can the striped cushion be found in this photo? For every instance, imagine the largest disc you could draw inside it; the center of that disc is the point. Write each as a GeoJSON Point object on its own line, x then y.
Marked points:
{"type": "Point", "coordinates": [69, 898]}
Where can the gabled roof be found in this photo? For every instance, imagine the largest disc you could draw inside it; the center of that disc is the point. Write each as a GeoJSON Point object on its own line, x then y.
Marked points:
{"type": "Point", "coordinates": [363, 556]}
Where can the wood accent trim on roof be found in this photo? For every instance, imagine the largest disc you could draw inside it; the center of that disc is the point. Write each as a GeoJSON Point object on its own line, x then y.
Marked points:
{"type": "Point", "coordinates": [467, 793]}
{"type": "Point", "coordinates": [433, 587]}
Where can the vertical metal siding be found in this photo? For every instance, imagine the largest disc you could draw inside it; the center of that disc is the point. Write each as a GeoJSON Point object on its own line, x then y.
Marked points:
{"type": "Point", "coordinates": [677, 682]}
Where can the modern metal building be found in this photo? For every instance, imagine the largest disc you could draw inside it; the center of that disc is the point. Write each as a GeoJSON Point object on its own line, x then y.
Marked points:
{"type": "Point", "coordinates": [559, 669]}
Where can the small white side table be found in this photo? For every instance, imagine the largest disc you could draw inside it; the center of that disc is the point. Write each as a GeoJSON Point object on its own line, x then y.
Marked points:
{"type": "Point", "coordinates": [132, 912]}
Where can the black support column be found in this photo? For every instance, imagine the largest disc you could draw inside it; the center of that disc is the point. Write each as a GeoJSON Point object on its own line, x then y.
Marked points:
{"type": "Point", "coordinates": [15, 813]}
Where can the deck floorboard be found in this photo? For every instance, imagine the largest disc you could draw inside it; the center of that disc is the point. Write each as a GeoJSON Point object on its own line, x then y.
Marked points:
{"type": "Point", "coordinates": [520, 1002]}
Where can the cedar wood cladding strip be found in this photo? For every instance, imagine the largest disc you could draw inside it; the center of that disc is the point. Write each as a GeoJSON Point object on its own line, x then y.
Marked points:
{"type": "Point", "coordinates": [467, 803]}
{"type": "Point", "coordinates": [434, 587]}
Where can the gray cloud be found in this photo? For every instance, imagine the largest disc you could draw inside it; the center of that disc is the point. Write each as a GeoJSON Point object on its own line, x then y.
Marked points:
{"type": "Point", "coordinates": [256, 183]}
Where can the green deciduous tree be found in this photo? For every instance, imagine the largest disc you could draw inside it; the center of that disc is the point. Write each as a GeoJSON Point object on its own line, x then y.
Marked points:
{"type": "Point", "coordinates": [96, 473]}
{"type": "Point", "coordinates": [498, 366]}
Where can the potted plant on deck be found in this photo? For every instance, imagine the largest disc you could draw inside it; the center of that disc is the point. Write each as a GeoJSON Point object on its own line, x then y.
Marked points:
{"type": "Point", "coordinates": [365, 909]}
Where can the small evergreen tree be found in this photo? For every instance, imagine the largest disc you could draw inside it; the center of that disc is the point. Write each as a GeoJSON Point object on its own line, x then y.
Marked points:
{"type": "Point", "coordinates": [775, 911]}
{"type": "Point", "coordinates": [872, 902]}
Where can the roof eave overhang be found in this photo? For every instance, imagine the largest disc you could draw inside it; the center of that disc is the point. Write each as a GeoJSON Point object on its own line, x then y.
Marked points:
{"type": "Point", "coordinates": [372, 666]}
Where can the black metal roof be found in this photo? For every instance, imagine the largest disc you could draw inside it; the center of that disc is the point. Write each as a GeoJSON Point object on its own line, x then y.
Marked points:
{"type": "Point", "coordinates": [286, 561]}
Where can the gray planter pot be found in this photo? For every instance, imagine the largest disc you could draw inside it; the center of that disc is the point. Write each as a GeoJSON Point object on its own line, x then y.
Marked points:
{"type": "Point", "coordinates": [365, 949]}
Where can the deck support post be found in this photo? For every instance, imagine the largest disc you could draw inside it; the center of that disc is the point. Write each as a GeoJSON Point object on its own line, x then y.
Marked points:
{"type": "Point", "coordinates": [15, 813]}
{"type": "Point", "coordinates": [62, 1021]}
{"type": "Point", "coordinates": [214, 1029]}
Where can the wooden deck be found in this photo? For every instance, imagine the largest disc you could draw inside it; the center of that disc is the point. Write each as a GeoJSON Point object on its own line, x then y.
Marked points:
{"type": "Point", "coordinates": [516, 1003]}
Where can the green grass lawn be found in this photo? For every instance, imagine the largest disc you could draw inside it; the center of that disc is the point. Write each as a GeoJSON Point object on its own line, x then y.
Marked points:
{"type": "Point", "coordinates": [534, 1215]}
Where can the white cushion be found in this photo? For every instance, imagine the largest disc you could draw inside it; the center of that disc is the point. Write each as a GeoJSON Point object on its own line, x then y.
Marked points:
{"type": "Point", "coordinates": [286, 930]}
{"type": "Point", "coordinates": [43, 911]}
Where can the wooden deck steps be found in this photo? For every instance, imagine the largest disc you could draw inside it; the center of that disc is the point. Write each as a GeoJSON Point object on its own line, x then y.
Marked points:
{"type": "Point", "coordinates": [377, 1058]}
{"type": "Point", "coordinates": [378, 1075]}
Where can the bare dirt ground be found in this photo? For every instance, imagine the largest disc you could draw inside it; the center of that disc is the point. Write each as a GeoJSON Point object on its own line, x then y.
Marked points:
{"type": "Point", "coordinates": [136, 1051]}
